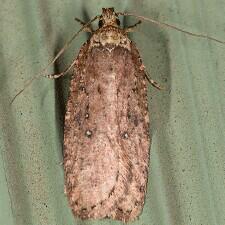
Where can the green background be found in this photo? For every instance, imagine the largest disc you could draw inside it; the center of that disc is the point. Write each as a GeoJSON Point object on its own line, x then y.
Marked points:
{"type": "Point", "coordinates": [187, 168]}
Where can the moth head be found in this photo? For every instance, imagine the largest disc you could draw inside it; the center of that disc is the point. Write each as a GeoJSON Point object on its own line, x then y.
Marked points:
{"type": "Point", "coordinates": [108, 18]}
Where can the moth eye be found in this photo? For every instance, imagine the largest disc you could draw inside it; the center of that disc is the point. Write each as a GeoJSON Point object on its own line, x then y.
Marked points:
{"type": "Point", "coordinates": [100, 23]}
{"type": "Point", "coordinates": [118, 22]}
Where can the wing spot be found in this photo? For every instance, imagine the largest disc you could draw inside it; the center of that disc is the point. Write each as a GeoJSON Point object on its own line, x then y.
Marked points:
{"type": "Point", "coordinates": [111, 68]}
{"type": "Point", "coordinates": [125, 135]}
{"type": "Point", "coordinates": [92, 207]}
{"type": "Point", "coordinates": [88, 133]}
{"type": "Point", "coordinates": [99, 89]}
{"type": "Point", "coordinates": [134, 90]}
{"type": "Point", "coordinates": [82, 88]}
{"type": "Point", "coordinates": [137, 203]}
{"type": "Point", "coordinates": [78, 118]}
{"type": "Point", "coordinates": [142, 188]}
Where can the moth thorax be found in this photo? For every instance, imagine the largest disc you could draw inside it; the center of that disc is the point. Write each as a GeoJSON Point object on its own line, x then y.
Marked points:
{"type": "Point", "coordinates": [110, 37]}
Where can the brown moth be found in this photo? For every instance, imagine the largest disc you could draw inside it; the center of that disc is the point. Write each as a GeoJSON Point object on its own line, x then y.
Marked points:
{"type": "Point", "coordinates": [106, 132]}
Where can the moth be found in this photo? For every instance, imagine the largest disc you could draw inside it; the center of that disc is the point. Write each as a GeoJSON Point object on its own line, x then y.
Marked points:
{"type": "Point", "coordinates": [106, 130]}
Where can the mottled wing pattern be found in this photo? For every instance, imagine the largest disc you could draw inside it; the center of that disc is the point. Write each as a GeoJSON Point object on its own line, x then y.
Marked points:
{"type": "Point", "coordinates": [106, 136]}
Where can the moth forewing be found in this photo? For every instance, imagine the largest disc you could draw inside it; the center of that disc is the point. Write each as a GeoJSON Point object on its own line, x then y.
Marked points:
{"type": "Point", "coordinates": [106, 138]}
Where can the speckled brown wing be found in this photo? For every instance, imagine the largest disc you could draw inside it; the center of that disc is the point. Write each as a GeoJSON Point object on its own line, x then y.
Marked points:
{"type": "Point", "coordinates": [106, 136]}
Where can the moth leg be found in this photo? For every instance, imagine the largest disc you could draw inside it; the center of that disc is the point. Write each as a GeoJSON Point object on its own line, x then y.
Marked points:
{"type": "Point", "coordinates": [55, 76]}
{"type": "Point", "coordinates": [152, 82]}
{"type": "Point", "coordinates": [131, 28]}
{"type": "Point", "coordinates": [88, 28]}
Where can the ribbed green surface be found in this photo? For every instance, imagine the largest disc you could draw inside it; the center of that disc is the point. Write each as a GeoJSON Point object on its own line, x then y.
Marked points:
{"type": "Point", "coordinates": [187, 170]}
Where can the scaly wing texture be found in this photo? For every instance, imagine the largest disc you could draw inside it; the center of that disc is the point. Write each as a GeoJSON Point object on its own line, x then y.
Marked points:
{"type": "Point", "coordinates": [106, 135]}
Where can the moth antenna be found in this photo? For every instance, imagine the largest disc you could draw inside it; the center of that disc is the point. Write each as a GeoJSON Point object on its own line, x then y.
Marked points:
{"type": "Point", "coordinates": [87, 29]}
{"type": "Point", "coordinates": [68, 43]}
{"type": "Point", "coordinates": [166, 25]}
